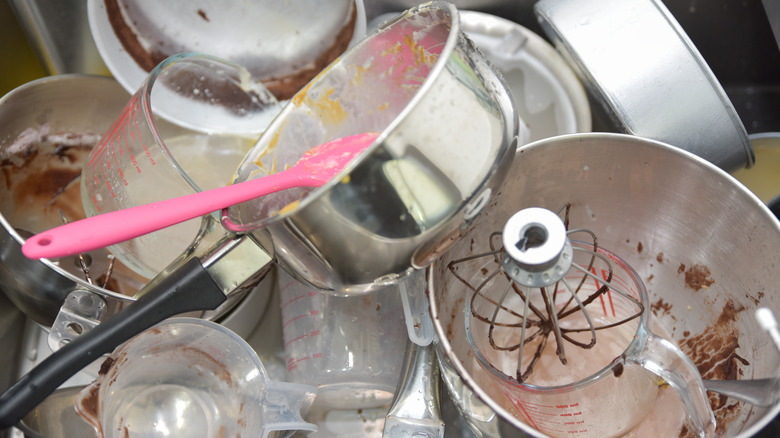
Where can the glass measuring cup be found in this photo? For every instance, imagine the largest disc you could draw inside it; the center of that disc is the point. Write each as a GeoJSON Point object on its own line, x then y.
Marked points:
{"type": "Point", "coordinates": [190, 377]}
{"type": "Point", "coordinates": [351, 348]}
{"type": "Point", "coordinates": [601, 392]}
{"type": "Point", "coordinates": [185, 130]}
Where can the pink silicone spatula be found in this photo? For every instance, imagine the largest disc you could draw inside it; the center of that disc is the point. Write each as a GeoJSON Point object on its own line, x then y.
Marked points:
{"type": "Point", "coordinates": [315, 168]}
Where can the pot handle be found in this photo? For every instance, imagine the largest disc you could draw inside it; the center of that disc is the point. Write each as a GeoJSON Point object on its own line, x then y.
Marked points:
{"type": "Point", "coordinates": [419, 324]}
{"type": "Point", "coordinates": [81, 311]}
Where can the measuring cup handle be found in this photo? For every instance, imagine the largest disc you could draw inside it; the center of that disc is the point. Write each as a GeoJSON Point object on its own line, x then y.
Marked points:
{"type": "Point", "coordinates": [666, 360]}
{"type": "Point", "coordinates": [284, 405]}
{"type": "Point", "coordinates": [419, 324]}
{"type": "Point", "coordinates": [187, 289]}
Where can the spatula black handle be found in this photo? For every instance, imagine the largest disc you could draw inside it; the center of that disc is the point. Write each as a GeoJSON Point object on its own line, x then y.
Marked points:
{"type": "Point", "coordinates": [188, 288]}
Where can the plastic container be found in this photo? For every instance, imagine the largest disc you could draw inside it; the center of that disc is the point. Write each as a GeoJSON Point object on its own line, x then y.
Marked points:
{"type": "Point", "coordinates": [190, 377]}
{"type": "Point", "coordinates": [350, 348]}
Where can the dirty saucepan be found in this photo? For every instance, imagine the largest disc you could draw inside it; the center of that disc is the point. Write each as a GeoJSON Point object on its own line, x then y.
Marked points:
{"type": "Point", "coordinates": [50, 126]}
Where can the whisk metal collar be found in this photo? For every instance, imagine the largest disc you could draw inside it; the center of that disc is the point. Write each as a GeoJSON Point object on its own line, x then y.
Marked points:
{"type": "Point", "coordinates": [537, 252]}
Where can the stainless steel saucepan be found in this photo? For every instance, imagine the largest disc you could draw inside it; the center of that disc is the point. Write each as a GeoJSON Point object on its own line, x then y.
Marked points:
{"type": "Point", "coordinates": [447, 132]}
{"type": "Point", "coordinates": [447, 137]}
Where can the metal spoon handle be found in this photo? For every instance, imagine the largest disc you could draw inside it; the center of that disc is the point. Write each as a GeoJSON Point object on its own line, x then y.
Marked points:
{"type": "Point", "coordinates": [758, 392]}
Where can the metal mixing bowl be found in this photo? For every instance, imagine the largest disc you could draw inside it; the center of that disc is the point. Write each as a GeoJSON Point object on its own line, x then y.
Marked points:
{"type": "Point", "coordinates": [36, 111]}
{"type": "Point", "coordinates": [704, 245]}
{"type": "Point", "coordinates": [68, 113]}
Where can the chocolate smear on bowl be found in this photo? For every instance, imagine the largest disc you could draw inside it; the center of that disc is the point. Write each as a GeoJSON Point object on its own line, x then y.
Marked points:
{"type": "Point", "coordinates": [285, 87]}
{"type": "Point", "coordinates": [661, 307]}
{"type": "Point", "coordinates": [697, 277]}
{"type": "Point", "coordinates": [106, 365]}
{"type": "Point", "coordinates": [146, 59]}
{"type": "Point", "coordinates": [715, 351]}
{"type": "Point", "coordinates": [282, 87]}
{"type": "Point", "coordinates": [40, 177]}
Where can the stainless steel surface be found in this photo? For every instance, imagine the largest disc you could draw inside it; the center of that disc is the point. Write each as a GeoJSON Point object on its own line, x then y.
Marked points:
{"type": "Point", "coordinates": [56, 417]}
{"type": "Point", "coordinates": [668, 213]}
{"type": "Point", "coordinates": [416, 410]}
{"type": "Point", "coordinates": [447, 128]}
{"type": "Point", "coordinates": [59, 33]}
{"type": "Point", "coordinates": [638, 63]}
{"type": "Point", "coordinates": [12, 322]}
{"type": "Point", "coordinates": [759, 392]}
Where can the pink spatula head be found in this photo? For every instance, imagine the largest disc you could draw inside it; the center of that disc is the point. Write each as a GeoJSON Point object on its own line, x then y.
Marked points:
{"type": "Point", "coordinates": [315, 168]}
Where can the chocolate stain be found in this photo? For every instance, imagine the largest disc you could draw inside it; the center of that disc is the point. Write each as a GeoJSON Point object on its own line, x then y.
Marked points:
{"type": "Point", "coordinates": [40, 185]}
{"type": "Point", "coordinates": [714, 352]}
{"type": "Point", "coordinates": [698, 277]}
{"type": "Point", "coordinates": [282, 87]}
{"type": "Point", "coordinates": [617, 370]}
{"type": "Point", "coordinates": [106, 366]}
{"type": "Point", "coordinates": [661, 307]}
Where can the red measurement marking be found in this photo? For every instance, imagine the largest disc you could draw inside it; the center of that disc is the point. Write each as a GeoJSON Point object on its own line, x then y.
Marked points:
{"type": "Point", "coordinates": [523, 412]}
{"type": "Point", "coordinates": [291, 365]}
{"type": "Point", "coordinates": [287, 285]}
{"type": "Point", "coordinates": [293, 319]}
{"type": "Point", "coordinates": [120, 121]}
{"type": "Point", "coordinates": [608, 293]}
{"type": "Point", "coordinates": [292, 300]}
{"type": "Point", "coordinates": [293, 340]}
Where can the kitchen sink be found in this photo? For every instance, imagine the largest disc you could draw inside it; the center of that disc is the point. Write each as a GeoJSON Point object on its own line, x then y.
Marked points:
{"type": "Point", "coordinates": [735, 38]}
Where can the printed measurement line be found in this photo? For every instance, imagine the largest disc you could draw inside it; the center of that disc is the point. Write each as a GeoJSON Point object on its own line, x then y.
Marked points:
{"type": "Point", "coordinates": [521, 407]}
{"type": "Point", "coordinates": [292, 300]}
{"type": "Point", "coordinates": [294, 319]}
{"type": "Point", "coordinates": [293, 364]}
{"type": "Point", "coordinates": [294, 339]}
{"type": "Point", "coordinates": [119, 121]}
{"type": "Point", "coordinates": [288, 285]}
{"type": "Point", "coordinates": [608, 293]}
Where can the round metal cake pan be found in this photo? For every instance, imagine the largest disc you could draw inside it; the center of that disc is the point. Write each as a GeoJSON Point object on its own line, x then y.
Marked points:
{"type": "Point", "coordinates": [641, 67]}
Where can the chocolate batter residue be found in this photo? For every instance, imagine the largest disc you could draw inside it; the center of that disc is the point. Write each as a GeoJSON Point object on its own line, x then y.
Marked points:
{"type": "Point", "coordinates": [87, 406]}
{"type": "Point", "coordinates": [618, 369]}
{"type": "Point", "coordinates": [147, 60]}
{"type": "Point", "coordinates": [714, 351]}
{"type": "Point", "coordinates": [106, 365]}
{"type": "Point", "coordinates": [42, 179]}
{"type": "Point", "coordinates": [697, 277]}
{"type": "Point", "coordinates": [661, 307]}
{"type": "Point", "coordinates": [283, 88]}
